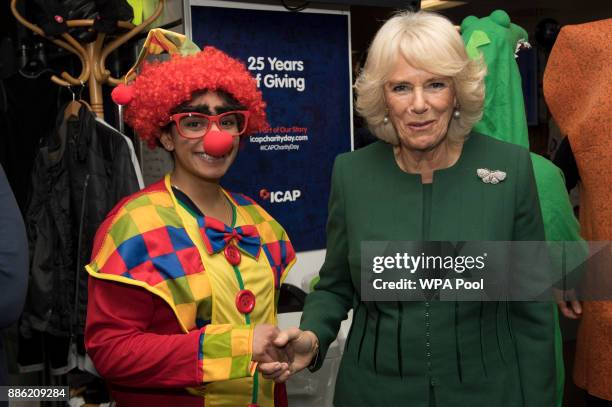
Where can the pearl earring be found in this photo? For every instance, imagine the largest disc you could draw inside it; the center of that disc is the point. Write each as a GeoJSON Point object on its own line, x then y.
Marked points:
{"type": "Point", "coordinates": [456, 114]}
{"type": "Point", "coordinates": [386, 120]}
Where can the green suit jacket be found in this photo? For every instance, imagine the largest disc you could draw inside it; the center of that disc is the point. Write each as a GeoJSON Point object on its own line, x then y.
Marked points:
{"type": "Point", "coordinates": [471, 353]}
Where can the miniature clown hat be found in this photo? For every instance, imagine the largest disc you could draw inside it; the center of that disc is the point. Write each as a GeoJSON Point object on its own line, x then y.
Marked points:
{"type": "Point", "coordinates": [161, 86]}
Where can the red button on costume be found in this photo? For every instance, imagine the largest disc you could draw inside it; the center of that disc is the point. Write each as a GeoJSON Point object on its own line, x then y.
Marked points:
{"type": "Point", "coordinates": [245, 301]}
{"type": "Point", "coordinates": [232, 254]}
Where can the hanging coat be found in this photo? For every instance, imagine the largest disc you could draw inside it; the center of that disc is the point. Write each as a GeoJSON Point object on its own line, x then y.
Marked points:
{"type": "Point", "coordinates": [81, 171]}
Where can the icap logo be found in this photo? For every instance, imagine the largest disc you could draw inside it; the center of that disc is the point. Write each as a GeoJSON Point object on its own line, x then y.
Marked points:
{"type": "Point", "coordinates": [280, 196]}
{"type": "Point", "coordinates": [264, 194]}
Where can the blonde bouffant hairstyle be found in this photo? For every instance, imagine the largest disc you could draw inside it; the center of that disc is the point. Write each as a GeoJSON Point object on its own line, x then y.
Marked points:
{"type": "Point", "coordinates": [429, 42]}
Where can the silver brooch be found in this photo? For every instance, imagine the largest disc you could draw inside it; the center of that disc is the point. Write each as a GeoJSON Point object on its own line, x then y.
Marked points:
{"type": "Point", "coordinates": [490, 177]}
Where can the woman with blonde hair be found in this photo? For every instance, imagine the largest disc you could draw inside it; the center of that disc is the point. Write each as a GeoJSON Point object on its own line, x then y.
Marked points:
{"type": "Point", "coordinates": [429, 178]}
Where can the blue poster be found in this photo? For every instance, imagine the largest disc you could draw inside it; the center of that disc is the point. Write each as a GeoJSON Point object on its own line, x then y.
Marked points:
{"type": "Point", "coordinates": [301, 63]}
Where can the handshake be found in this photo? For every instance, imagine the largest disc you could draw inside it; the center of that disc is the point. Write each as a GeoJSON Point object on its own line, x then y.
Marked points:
{"type": "Point", "coordinates": [281, 354]}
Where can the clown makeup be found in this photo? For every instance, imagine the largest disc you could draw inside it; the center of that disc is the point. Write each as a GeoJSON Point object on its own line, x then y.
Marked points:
{"type": "Point", "coordinates": [234, 124]}
{"type": "Point", "coordinates": [229, 104]}
{"type": "Point", "coordinates": [191, 161]}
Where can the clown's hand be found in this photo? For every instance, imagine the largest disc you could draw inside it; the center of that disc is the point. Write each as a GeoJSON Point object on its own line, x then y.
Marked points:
{"type": "Point", "coordinates": [264, 349]}
{"type": "Point", "coordinates": [301, 348]}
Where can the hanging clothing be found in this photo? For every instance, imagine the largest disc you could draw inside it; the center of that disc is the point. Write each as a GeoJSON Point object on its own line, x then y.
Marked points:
{"type": "Point", "coordinates": [498, 41]}
{"type": "Point", "coordinates": [174, 297]}
{"type": "Point", "coordinates": [102, 126]}
{"type": "Point", "coordinates": [26, 121]}
{"type": "Point", "coordinates": [565, 160]}
{"type": "Point", "coordinates": [143, 9]}
{"type": "Point", "coordinates": [577, 87]}
{"type": "Point", "coordinates": [81, 171]}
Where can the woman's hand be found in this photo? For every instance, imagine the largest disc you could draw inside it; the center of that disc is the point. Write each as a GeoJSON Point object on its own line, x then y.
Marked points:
{"type": "Point", "coordinates": [300, 347]}
{"type": "Point", "coordinates": [569, 306]}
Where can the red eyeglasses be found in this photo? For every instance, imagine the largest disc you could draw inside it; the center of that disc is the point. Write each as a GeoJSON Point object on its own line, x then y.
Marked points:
{"type": "Point", "coordinates": [194, 125]}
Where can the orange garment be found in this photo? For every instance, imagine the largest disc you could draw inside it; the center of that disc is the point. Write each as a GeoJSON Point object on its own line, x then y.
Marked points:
{"type": "Point", "coordinates": [577, 88]}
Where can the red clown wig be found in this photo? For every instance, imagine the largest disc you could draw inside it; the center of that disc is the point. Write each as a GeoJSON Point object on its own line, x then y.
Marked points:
{"type": "Point", "coordinates": [162, 86]}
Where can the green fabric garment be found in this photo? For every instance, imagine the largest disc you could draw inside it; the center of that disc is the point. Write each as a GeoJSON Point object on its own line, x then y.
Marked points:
{"type": "Point", "coordinates": [137, 6]}
{"type": "Point", "coordinates": [143, 9]}
{"type": "Point", "coordinates": [472, 353]}
{"type": "Point", "coordinates": [496, 38]}
{"type": "Point", "coordinates": [560, 224]}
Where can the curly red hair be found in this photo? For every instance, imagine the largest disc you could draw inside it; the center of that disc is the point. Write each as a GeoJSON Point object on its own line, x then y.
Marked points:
{"type": "Point", "coordinates": [162, 86]}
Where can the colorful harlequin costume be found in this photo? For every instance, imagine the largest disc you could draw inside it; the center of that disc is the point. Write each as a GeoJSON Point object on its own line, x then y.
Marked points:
{"type": "Point", "coordinates": [498, 40]}
{"type": "Point", "coordinates": [174, 295]}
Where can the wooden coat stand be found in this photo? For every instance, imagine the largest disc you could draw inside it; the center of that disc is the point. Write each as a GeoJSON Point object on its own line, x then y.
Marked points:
{"type": "Point", "coordinates": [92, 55]}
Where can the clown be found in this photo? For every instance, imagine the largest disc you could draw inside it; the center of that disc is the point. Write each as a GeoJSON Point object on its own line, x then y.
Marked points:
{"type": "Point", "coordinates": [184, 275]}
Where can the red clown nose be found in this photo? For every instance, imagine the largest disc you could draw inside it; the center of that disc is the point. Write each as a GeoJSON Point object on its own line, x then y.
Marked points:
{"type": "Point", "coordinates": [218, 143]}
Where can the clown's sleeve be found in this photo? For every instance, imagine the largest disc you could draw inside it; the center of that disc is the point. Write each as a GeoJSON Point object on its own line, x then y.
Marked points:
{"type": "Point", "coordinates": [126, 352]}
{"type": "Point", "coordinates": [132, 335]}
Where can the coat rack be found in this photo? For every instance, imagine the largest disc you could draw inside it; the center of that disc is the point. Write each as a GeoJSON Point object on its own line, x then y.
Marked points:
{"type": "Point", "coordinates": [92, 55]}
